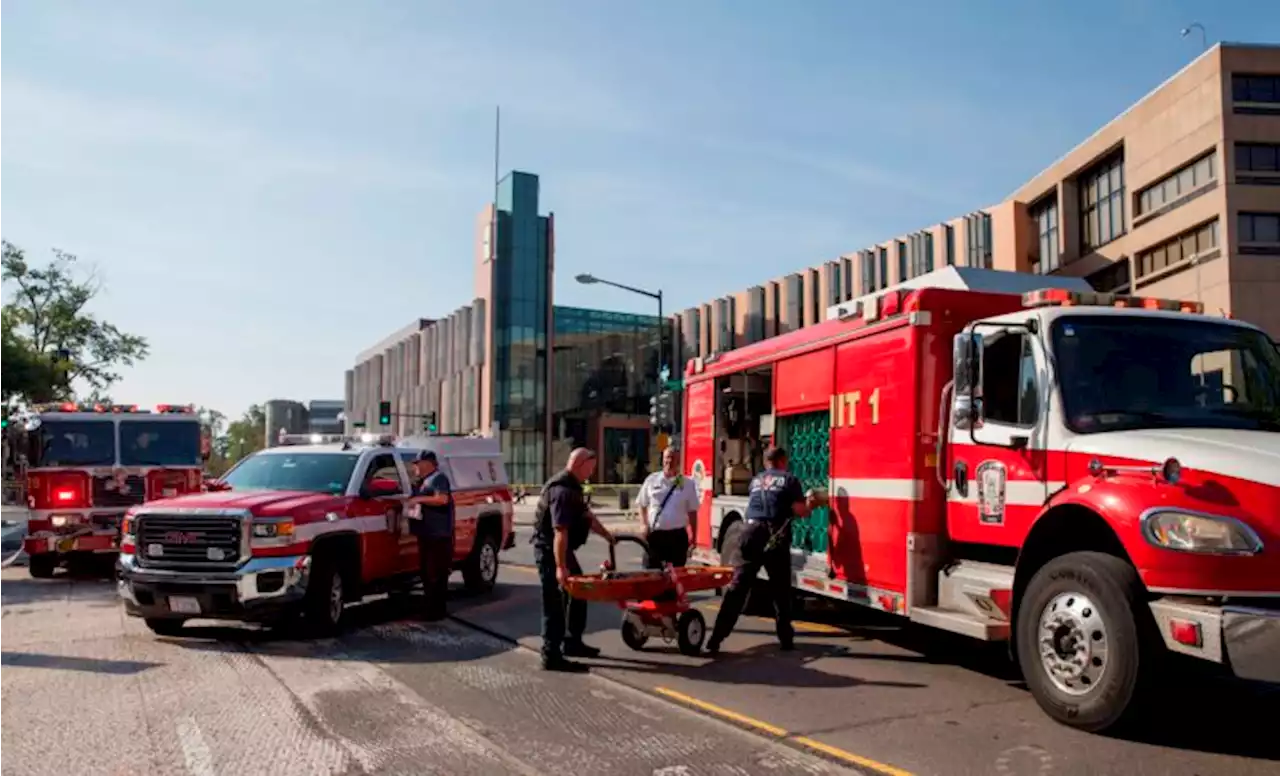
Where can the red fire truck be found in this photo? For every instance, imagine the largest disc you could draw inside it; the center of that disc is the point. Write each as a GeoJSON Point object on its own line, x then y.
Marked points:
{"type": "Point", "coordinates": [1094, 479]}
{"type": "Point", "coordinates": [85, 464]}
{"type": "Point", "coordinates": [305, 528]}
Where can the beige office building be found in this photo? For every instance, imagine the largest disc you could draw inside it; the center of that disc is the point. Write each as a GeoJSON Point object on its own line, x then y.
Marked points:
{"type": "Point", "coordinates": [1178, 197]}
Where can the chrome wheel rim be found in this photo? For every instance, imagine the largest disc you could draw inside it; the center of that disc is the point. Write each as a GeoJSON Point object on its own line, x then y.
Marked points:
{"type": "Point", "coordinates": [335, 598]}
{"type": "Point", "coordinates": [488, 562]}
{"type": "Point", "coordinates": [1073, 643]}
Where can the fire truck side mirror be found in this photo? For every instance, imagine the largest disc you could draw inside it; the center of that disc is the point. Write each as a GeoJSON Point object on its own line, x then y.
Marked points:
{"type": "Point", "coordinates": [967, 398]}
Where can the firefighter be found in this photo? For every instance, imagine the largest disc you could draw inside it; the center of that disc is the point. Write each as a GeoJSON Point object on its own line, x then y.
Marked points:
{"type": "Point", "coordinates": [776, 497]}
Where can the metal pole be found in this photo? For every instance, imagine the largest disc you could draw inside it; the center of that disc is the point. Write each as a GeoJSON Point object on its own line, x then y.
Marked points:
{"type": "Point", "coordinates": [662, 340]}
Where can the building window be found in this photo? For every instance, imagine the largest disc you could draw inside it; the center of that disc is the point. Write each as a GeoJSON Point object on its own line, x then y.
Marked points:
{"type": "Point", "coordinates": [1190, 244]}
{"type": "Point", "coordinates": [949, 247]}
{"type": "Point", "coordinates": [1111, 279]}
{"type": "Point", "coordinates": [978, 240]}
{"type": "Point", "coordinates": [921, 253]}
{"type": "Point", "coordinates": [883, 272]}
{"type": "Point", "coordinates": [775, 322]}
{"type": "Point", "coordinates": [755, 315]}
{"type": "Point", "coordinates": [1178, 186]}
{"type": "Point", "coordinates": [901, 248]}
{"type": "Point", "coordinates": [726, 313]}
{"type": "Point", "coordinates": [815, 301]}
{"type": "Point", "coordinates": [834, 284]}
{"type": "Point", "coordinates": [695, 333]}
{"type": "Point", "coordinates": [795, 302]}
{"type": "Point", "coordinates": [1102, 203]}
{"type": "Point", "coordinates": [1255, 93]}
{"type": "Point", "coordinates": [868, 260]}
{"type": "Point", "coordinates": [1258, 163]}
{"type": "Point", "coordinates": [1045, 214]}
{"type": "Point", "coordinates": [848, 278]}
{"type": "Point", "coordinates": [1259, 233]}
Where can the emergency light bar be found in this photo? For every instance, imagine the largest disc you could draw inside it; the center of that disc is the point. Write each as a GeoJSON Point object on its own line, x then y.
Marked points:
{"type": "Point", "coordinates": [1058, 297]}
{"type": "Point", "coordinates": [176, 409]}
{"type": "Point", "coordinates": [385, 440]}
{"type": "Point", "coordinates": [70, 406]}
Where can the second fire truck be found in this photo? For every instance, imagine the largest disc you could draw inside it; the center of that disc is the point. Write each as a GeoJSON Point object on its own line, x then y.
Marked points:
{"type": "Point", "coordinates": [85, 464]}
{"type": "Point", "coordinates": [1093, 479]}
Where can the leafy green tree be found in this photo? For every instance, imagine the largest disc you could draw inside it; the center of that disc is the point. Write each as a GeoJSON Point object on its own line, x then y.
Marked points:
{"type": "Point", "coordinates": [51, 340]}
{"type": "Point", "coordinates": [243, 436]}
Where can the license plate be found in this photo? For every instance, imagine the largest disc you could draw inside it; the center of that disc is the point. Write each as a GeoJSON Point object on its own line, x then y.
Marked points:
{"type": "Point", "coordinates": [184, 604]}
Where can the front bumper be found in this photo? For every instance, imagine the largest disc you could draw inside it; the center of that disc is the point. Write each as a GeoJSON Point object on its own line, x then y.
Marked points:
{"type": "Point", "coordinates": [260, 590]}
{"type": "Point", "coordinates": [1245, 638]}
{"type": "Point", "coordinates": [43, 542]}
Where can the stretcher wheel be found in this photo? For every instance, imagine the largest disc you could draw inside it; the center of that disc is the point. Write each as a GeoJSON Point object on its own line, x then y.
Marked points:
{"type": "Point", "coordinates": [633, 632]}
{"type": "Point", "coordinates": [691, 631]}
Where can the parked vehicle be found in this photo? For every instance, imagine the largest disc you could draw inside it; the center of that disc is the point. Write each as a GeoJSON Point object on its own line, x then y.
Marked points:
{"type": "Point", "coordinates": [304, 529]}
{"type": "Point", "coordinates": [1094, 479]}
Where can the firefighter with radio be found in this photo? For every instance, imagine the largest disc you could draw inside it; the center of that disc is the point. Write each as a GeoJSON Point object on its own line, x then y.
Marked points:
{"type": "Point", "coordinates": [776, 498]}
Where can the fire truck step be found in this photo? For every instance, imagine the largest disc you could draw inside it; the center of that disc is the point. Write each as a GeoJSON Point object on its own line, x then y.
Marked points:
{"type": "Point", "coordinates": [958, 622]}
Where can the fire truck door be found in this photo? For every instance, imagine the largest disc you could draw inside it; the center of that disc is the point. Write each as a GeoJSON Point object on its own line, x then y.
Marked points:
{"type": "Point", "coordinates": [997, 465]}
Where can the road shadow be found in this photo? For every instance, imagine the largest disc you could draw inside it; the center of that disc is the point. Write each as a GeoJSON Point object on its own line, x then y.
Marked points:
{"type": "Point", "coordinates": [19, 589]}
{"type": "Point", "coordinates": [66, 663]}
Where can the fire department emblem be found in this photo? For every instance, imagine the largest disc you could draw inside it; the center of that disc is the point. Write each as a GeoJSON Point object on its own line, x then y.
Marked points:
{"type": "Point", "coordinates": [992, 480]}
{"type": "Point", "coordinates": [700, 476]}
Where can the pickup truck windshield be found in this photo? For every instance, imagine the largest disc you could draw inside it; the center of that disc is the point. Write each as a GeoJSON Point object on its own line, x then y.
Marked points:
{"type": "Point", "coordinates": [312, 472]}
{"type": "Point", "coordinates": [160, 443]}
{"type": "Point", "coordinates": [1120, 372]}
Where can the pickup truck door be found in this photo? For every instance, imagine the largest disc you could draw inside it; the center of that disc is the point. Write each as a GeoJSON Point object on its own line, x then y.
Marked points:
{"type": "Point", "coordinates": [384, 525]}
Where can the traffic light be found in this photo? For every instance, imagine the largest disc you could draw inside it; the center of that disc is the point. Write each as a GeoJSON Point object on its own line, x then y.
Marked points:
{"type": "Point", "coordinates": [429, 423]}
{"type": "Point", "coordinates": [661, 410]}
{"type": "Point", "coordinates": [653, 411]}
{"type": "Point", "coordinates": [384, 413]}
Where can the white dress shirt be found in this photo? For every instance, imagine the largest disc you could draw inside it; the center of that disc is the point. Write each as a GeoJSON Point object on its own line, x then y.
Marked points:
{"type": "Point", "coordinates": [676, 512]}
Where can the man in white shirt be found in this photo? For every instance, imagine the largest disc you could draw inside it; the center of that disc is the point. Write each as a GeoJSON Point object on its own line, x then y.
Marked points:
{"type": "Point", "coordinates": [668, 503]}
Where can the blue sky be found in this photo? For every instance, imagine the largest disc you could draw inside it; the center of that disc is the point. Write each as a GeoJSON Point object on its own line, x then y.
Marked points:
{"type": "Point", "coordinates": [269, 188]}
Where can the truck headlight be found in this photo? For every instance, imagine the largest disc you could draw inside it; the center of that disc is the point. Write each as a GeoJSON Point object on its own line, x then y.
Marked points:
{"type": "Point", "coordinates": [271, 533]}
{"type": "Point", "coordinates": [1175, 529]}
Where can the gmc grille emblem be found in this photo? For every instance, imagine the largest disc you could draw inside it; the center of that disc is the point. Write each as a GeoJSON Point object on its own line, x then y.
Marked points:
{"type": "Point", "coordinates": [182, 537]}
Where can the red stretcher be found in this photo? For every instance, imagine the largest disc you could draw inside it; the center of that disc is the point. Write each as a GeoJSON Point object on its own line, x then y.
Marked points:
{"type": "Point", "coordinates": [654, 603]}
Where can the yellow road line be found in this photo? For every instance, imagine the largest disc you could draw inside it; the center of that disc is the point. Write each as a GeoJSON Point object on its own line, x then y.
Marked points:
{"type": "Point", "coordinates": [801, 626]}
{"type": "Point", "coordinates": [777, 732]}
{"type": "Point", "coordinates": [720, 711]}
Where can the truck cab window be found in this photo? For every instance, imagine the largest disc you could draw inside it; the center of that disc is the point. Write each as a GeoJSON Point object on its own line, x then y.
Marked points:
{"type": "Point", "coordinates": [1010, 393]}
{"type": "Point", "coordinates": [383, 467]}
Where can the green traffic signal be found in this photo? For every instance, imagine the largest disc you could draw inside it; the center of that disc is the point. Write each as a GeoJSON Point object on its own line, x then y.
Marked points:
{"type": "Point", "coordinates": [384, 413]}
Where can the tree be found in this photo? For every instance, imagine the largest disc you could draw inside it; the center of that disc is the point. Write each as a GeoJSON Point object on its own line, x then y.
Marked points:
{"type": "Point", "coordinates": [50, 337]}
{"type": "Point", "coordinates": [242, 437]}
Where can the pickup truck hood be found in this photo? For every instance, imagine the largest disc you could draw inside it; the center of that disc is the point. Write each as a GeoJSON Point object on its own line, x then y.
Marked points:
{"type": "Point", "coordinates": [260, 502]}
{"type": "Point", "coordinates": [1244, 455]}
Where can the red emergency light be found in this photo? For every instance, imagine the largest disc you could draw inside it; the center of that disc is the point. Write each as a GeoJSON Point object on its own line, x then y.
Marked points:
{"type": "Point", "coordinates": [176, 409]}
{"type": "Point", "coordinates": [1060, 297]}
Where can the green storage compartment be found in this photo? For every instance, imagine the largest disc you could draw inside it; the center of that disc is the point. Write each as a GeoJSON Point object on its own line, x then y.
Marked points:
{"type": "Point", "coordinates": [806, 438]}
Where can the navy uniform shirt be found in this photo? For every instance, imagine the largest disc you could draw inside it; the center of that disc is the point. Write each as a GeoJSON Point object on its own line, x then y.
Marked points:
{"type": "Point", "coordinates": [773, 495]}
{"type": "Point", "coordinates": [436, 521]}
{"type": "Point", "coordinates": [562, 505]}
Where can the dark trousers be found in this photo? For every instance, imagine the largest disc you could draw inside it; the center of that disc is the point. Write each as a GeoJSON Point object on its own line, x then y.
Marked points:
{"type": "Point", "coordinates": [435, 562]}
{"type": "Point", "coordinates": [776, 562]}
{"type": "Point", "coordinates": [563, 618]}
{"type": "Point", "coordinates": [667, 547]}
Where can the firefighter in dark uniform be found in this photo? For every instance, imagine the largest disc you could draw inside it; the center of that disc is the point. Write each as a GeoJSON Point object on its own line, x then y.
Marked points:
{"type": "Point", "coordinates": [776, 496]}
{"type": "Point", "coordinates": [561, 525]}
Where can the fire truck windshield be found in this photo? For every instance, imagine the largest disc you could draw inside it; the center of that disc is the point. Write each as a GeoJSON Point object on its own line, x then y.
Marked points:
{"type": "Point", "coordinates": [311, 472]}
{"type": "Point", "coordinates": [1121, 372]}
{"type": "Point", "coordinates": [59, 442]}
{"type": "Point", "coordinates": [160, 442]}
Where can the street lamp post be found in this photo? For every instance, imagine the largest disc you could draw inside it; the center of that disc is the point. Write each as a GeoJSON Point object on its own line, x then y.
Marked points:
{"type": "Point", "coordinates": [587, 279]}
{"type": "Point", "coordinates": [1204, 36]}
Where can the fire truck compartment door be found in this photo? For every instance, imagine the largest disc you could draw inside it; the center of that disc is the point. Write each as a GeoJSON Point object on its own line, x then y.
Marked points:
{"type": "Point", "coordinates": [804, 383]}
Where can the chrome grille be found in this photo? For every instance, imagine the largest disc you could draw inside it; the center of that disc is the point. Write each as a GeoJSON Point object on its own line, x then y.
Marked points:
{"type": "Point", "coordinates": [190, 540]}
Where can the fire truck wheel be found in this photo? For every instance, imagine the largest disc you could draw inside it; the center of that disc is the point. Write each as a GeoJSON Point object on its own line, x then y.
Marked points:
{"type": "Point", "coordinates": [691, 631]}
{"type": "Point", "coordinates": [164, 627]}
{"type": "Point", "coordinates": [480, 572]}
{"type": "Point", "coordinates": [1081, 645]}
{"type": "Point", "coordinates": [42, 566]}
{"type": "Point", "coordinates": [326, 596]}
{"type": "Point", "coordinates": [633, 632]}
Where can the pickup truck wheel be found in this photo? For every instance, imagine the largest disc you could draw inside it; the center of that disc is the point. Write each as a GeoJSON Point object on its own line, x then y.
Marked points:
{"type": "Point", "coordinates": [1082, 645]}
{"type": "Point", "coordinates": [43, 565]}
{"type": "Point", "coordinates": [164, 627]}
{"type": "Point", "coordinates": [480, 572]}
{"type": "Point", "coordinates": [325, 602]}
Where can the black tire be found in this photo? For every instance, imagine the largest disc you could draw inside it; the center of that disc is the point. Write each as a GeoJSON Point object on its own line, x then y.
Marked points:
{"type": "Point", "coordinates": [164, 627]}
{"type": "Point", "coordinates": [43, 565]}
{"type": "Point", "coordinates": [1097, 640]}
{"type": "Point", "coordinates": [324, 604]}
{"type": "Point", "coordinates": [731, 543]}
{"type": "Point", "coordinates": [691, 631]}
{"type": "Point", "coordinates": [480, 571]}
{"type": "Point", "coordinates": [632, 633]}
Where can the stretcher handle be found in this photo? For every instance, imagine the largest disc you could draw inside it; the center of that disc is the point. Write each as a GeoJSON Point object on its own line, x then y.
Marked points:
{"type": "Point", "coordinates": [613, 555]}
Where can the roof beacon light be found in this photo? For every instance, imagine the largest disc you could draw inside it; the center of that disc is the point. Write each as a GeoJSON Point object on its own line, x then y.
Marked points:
{"type": "Point", "coordinates": [1060, 297]}
{"type": "Point", "coordinates": [176, 409]}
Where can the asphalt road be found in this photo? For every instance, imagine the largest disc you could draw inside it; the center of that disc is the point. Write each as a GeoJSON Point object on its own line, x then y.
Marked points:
{"type": "Point", "coordinates": [87, 691]}
{"type": "Point", "coordinates": [908, 699]}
